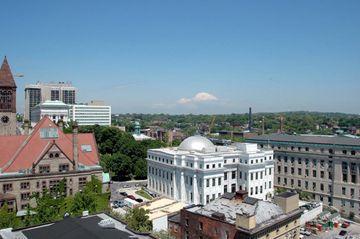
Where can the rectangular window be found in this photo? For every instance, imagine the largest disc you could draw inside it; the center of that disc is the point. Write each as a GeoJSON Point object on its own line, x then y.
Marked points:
{"type": "Point", "coordinates": [7, 187]}
{"type": "Point", "coordinates": [225, 189]}
{"type": "Point", "coordinates": [44, 169]}
{"type": "Point", "coordinates": [219, 181]}
{"type": "Point", "coordinates": [213, 182]}
{"type": "Point", "coordinates": [82, 182]}
{"type": "Point", "coordinates": [25, 196]}
{"type": "Point", "coordinates": [207, 182]}
{"type": "Point", "coordinates": [65, 167]}
{"type": "Point", "coordinates": [25, 185]}
{"type": "Point", "coordinates": [233, 174]}
{"type": "Point", "coordinates": [225, 176]}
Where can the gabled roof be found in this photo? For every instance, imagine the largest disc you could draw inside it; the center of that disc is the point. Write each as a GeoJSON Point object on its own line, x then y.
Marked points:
{"type": "Point", "coordinates": [20, 152]}
{"type": "Point", "coordinates": [6, 77]}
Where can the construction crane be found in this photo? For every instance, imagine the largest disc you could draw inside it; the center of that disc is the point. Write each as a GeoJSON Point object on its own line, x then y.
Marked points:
{"type": "Point", "coordinates": [212, 123]}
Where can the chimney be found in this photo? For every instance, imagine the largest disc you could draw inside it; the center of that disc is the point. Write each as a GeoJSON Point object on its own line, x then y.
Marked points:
{"type": "Point", "coordinates": [60, 124]}
{"type": "Point", "coordinates": [75, 145]}
{"type": "Point", "coordinates": [241, 195]}
{"type": "Point", "coordinates": [282, 124]}
{"type": "Point", "coordinates": [26, 127]}
{"type": "Point", "coordinates": [245, 221]}
{"type": "Point", "coordinates": [250, 119]}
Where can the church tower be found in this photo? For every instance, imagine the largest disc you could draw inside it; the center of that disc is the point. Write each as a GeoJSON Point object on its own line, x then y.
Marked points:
{"type": "Point", "coordinates": [7, 100]}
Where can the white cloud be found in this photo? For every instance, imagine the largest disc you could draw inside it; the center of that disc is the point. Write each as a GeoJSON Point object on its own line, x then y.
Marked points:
{"type": "Point", "coordinates": [199, 97]}
{"type": "Point", "coordinates": [183, 101]}
{"type": "Point", "coordinates": [203, 96]}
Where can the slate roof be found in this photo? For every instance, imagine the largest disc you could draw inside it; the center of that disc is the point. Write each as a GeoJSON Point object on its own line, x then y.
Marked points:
{"type": "Point", "coordinates": [264, 211]}
{"type": "Point", "coordinates": [6, 77]}
{"type": "Point", "coordinates": [20, 152]}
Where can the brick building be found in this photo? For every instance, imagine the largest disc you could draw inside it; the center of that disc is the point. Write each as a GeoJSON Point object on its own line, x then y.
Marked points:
{"type": "Point", "coordinates": [40, 160]}
{"type": "Point", "coordinates": [235, 215]}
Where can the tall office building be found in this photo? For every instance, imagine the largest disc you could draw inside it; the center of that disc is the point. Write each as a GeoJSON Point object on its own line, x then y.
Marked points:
{"type": "Point", "coordinates": [198, 172]}
{"type": "Point", "coordinates": [95, 112]}
{"type": "Point", "coordinates": [41, 92]}
{"type": "Point", "coordinates": [325, 167]}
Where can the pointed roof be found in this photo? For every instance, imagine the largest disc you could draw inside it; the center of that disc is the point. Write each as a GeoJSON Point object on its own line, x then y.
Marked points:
{"type": "Point", "coordinates": [23, 151]}
{"type": "Point", "coordinates": [6, 77]}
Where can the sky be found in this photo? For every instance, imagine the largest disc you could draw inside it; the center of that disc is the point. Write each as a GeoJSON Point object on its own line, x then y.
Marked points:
{"type": "Point", "coordinates": [190, 56]}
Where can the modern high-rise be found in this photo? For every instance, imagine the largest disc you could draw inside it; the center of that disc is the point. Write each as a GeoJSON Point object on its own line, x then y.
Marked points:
{"type": "Point", "coordinates": [95, 112]}
{"type": "Point", "coordinates": [198, 172]}
{"type": "Point", "coordinates": [41, 92]}
{"type": "Point", "coordinates": [325, 167]}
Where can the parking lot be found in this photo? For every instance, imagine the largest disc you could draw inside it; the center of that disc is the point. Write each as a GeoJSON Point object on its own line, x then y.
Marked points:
{"type": "Point", "coordinates": [353, 232]}
{"type": "Point", "coordinates": [118, 189]}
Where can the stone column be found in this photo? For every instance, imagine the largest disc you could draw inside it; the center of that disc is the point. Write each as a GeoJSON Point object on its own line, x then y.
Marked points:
{"type": "Point", "coordinates": [182, 185]}
{"type": "Point", "coordinates": [195, 190]}
{"type": "Point", "coordinates": [175, 189]}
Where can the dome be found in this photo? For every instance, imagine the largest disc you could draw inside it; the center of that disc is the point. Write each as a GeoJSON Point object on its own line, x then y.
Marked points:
{"type": "Point", "coordinates": [197, 143]}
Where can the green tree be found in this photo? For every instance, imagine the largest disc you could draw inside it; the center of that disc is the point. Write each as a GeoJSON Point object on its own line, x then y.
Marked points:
{"type": "Point", "coordinates": [86, 199]}
{"type": "Point", "coordinates": [140, 169]}
{"type": "Point", "coordinates": [7, 219]}
{"type": "Point", "coordinates": [138, 220]}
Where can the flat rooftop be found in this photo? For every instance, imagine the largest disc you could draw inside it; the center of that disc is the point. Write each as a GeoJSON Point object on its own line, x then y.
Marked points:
{"type": "Point", "coordinates": [311, 139]}
{"type": "Point", "coordinates": [162, 207]}
{"type": "Point", "coordinates": [76, 228]}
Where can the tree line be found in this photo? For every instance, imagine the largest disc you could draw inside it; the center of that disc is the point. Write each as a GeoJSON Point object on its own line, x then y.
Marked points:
{"type": "Point", "coordinates": [120, 154]}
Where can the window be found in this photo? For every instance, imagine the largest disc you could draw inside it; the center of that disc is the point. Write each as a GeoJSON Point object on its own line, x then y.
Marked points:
{"type": "Point", "coordinates": [314, 173]}
{"type": "Point", "coordinates": [82, 182]}
{"type": "Point", "coordinates": [251, 176]}
{"type": "Point", "coordinates": [233, 174]}
{"type": "Point", "coordinates": [207, 166]}
{"type": "Point", "coordinates": [219, 181]}
{"type": "Point", "coordinates": [207, 182]}
{"type": "Point", "coordinates": [225, 189]}
{"type": "Point", "coordinates": [63, 167]}
{"type": "Point", "coordinates": [7, 187]}
{"type": "Point", "coordinates": [214, 165]}
{"type": "Point", "coordinates": [25, 196]}
{"type": "Point", "coordinates": [213, 182]}
{"type": "Point", "coordinates": [25, 185]}
{"type": "Point", "coordinates": [44, 169]}
{"type": "Point", "coordinates": [225, 176]}
{"type": "Point", "coordinates": [200, 226]}
{"type": "Point", "coordinates": [343, 190]}
{"type": "Point", "coordinates": [299, 171]}
{"type": "Point", "coordinates": [299, 183]}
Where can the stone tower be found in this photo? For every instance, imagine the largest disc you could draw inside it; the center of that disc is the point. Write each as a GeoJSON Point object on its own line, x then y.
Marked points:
{"type": "Point", "coordinates": [7, 100]}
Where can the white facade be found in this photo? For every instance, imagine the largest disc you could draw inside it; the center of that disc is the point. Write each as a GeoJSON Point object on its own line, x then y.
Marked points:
{"type": "Point", "coordinates": [55, 110]}
{"type": "Point", "coordinates": [197, 171]}
{"type": "Point", "coordinates": [41, 92]}
{"type": "Point", "coordinates": [90, 114]}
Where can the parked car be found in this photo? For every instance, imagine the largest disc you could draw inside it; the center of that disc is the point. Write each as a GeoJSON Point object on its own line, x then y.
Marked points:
{"type": "Point", "coordinates": [119, 203]}
{"type": "Point", "coordinates": [131, 197]}
{"type": "Point", "coordinates": [123, 194]}
{"type": "Point", "coordinates": [342, 234]}
{"type": "Point", "coordinates": [139, 200]}
{"type": "Point", "coordinates": [345, 224]}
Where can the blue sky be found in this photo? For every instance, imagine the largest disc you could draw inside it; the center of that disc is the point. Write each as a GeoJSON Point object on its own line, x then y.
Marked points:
{"type": "Point", "coordinates": [190, 56]}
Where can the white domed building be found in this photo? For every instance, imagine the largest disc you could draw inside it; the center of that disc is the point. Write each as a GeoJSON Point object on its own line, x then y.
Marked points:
{"type": "Point", "coordinates": [198, 171]}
